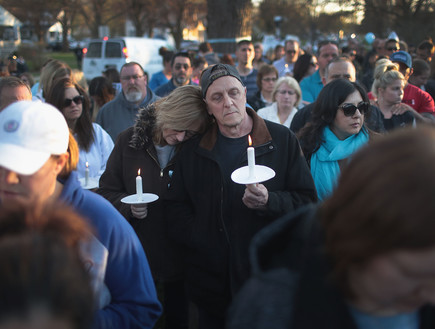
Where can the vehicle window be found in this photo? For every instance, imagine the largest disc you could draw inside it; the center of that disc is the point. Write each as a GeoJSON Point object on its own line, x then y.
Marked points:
{"type": "Point", "coordinates": [94, 50]}
{"type": "Point", "coordinates": [113, 50]}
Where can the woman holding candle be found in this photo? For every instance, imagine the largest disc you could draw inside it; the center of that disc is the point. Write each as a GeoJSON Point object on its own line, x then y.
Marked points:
{"type": "Point", "coordinates": [151, 146]}
{"type": "Point", "coordinates": [94, 143]}
{"type": "Point", "coordinates": [335, 131]}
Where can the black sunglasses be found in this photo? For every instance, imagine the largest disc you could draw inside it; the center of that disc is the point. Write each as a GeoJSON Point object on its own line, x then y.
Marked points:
{"type": "Point", "coordinates": [68, 101]}
{"type": "Point", "coordinates": [392, 49]}
{"type": "Point", "coordinates": [350, 109]}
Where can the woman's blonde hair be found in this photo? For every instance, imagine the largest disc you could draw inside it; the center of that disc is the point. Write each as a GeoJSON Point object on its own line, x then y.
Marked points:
{"type": "Point", "coordinates": [386, 72]}
{"type": "Point", "coordinates": [53, 70]}
{"type": "Point", "coordinates": [73, 158]}
{"type": "Point", "coordinates": [183, 109]}
{"type": "Point", "coordinates": [292, 83]}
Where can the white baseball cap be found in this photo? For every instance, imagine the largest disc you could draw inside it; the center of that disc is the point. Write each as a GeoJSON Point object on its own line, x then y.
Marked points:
{"type": "Point", "coordinates": [30, 132]}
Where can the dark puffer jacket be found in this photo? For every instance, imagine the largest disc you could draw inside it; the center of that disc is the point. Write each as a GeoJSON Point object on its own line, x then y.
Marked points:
{"type": "Point", "coordinates": [135, 150]}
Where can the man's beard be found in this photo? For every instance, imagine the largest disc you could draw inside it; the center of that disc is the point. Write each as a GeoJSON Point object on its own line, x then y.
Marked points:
{"type": "Point", "coordinates": [181, 80]}
{"type": "Point", "coordinates": [133, 96]}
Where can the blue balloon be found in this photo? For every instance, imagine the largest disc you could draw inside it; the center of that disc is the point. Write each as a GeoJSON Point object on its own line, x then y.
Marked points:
{"type": "Point", "coordinates": [370, 37]}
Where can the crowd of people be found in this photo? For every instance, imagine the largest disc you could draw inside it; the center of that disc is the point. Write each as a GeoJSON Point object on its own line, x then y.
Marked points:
{"type": "Point", "coordinates": [338, 237]}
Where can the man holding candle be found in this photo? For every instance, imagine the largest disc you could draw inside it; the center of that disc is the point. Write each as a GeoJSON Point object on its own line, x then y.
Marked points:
{"type": "Point", "coordinates": [215, 218]}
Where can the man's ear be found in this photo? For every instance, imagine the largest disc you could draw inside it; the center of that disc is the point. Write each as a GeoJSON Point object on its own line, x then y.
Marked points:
{"type": "Point", "coordinates": [208, 110]}
{"type": "Point", "coordinates": [61, 161]}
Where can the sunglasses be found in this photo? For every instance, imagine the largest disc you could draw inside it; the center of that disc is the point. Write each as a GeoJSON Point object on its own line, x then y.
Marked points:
{"type": "Point", "coordinates": [77, 100]}
{"type": "Point", "coordinates": [392, 49]}
{"type": "Point", "coordinates": [291, 52]}
{"type": "Point", "coordinates": [350, 109]}
{"type": "Point", "coordinates": [269, 79]}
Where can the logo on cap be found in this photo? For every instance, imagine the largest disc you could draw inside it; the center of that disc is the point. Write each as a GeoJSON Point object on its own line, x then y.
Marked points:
{"type": "Point", "coordinates": [11, 126]}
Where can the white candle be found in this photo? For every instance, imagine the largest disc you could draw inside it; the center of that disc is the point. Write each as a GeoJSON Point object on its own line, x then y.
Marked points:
{"type": "Point", "coordinates": [87, 174]}
{"type": "Point", "coordinates": [251, 159]}
{"type": "Point", "coordinates": [139, 189]}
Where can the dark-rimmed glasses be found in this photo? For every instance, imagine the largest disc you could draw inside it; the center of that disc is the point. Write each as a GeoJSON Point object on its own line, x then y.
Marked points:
{"type": "Point", "coordinates": [77, 100]}
{"type": "Point", "coordinates": [135, 77]}
{"type": "Point", "coordinates": [350, 109]}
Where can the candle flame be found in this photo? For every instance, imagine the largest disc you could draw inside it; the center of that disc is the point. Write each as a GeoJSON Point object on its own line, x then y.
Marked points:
{"type": "Point", "coordinates": [87, 164]}
{"type": "Point", "coordinates": [138, 172]}
{"type": "Point", "coordinates": [250, 140]}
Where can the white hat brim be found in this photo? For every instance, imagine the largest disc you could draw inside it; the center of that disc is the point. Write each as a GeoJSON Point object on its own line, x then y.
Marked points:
{"type": "Point", "coordinates": [21, 160]}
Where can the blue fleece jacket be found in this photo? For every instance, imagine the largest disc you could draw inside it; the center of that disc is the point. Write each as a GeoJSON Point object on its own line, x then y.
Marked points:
{"type": "Point", "coordinates": [134, 302]}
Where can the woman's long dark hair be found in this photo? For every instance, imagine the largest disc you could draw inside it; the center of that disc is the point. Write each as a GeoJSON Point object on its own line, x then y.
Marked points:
{"type": "Point", "coordinates": [324, 111]}
{"type": "Point", "coordinates": [83, 130]}
{"type": "Point", "coordinates": [301, 66]}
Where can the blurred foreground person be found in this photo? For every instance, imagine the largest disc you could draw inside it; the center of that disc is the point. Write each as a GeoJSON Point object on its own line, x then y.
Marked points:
{"type": "Point", "coordinates": [38, 162]}
{"type": "Point", "coordinates": [365, 258]}
{"type": "Point", "coordinates": [43, 281]}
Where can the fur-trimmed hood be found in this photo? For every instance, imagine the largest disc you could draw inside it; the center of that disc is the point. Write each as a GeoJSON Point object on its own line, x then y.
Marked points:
{"type": "Point", "coordinates": [143, 127]}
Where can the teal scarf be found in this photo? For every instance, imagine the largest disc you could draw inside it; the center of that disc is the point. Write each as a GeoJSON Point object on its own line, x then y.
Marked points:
{"type": "Point", "coordinates": [324, 162]}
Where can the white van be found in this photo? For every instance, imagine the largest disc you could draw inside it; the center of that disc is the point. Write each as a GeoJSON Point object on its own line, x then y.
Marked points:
{"type": "Point", "coordinates": [101, 54]}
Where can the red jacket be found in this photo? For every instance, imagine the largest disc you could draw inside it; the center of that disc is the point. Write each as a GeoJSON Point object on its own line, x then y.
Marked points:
{"type": "Point", "coordinates": [418, 99]}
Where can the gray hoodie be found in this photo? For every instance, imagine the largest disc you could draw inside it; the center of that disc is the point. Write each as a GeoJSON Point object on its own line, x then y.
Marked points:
{"type": "Point", "coordinates": [119, 114]}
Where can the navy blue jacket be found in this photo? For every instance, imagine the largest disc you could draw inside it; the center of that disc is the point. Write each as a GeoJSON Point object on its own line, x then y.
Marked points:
{"type": "Point", "coordinates": [134, 302]}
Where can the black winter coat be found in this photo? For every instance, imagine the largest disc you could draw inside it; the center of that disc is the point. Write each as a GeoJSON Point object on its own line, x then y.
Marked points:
{"type": "Point", "coordinates": [134, 149]}
{"type": "Point", "coordinates": [215, 228]}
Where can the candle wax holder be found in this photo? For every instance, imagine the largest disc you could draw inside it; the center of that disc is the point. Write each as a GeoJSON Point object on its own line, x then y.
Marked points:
{"type": "Point", "coordinates": [90, 184]}
{"type": "Point", "coordinates": [137, 199]}
{"type": "Point", "coordinates": [260, 174]}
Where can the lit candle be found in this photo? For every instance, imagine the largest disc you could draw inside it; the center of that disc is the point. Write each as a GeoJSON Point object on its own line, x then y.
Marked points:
{"type": "Point", "coordinates": [286, 70]}
{"type": "Point", "coordinates": [251, 158]}
{"type": "Point", "coordinates": [87, 174]}
{"type": "Point", "coordinates": [139, 190]}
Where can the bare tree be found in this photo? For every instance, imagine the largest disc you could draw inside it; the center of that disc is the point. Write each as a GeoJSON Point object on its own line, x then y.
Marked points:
{"type": "Point", "coordinates": [179, 14]}
{"type": "Point", "coordinates": [226, 21]}
{"type": "Point", "coordinates": [40, 14]}
{"type": "Point", "coordinates": [411, 19]}
{"type": "Point", "coordinates": [143, 15]}
{"type": "Point", "coordinates": [97, 13]}
{"type": "Point", "coordinates": [69, 10]}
